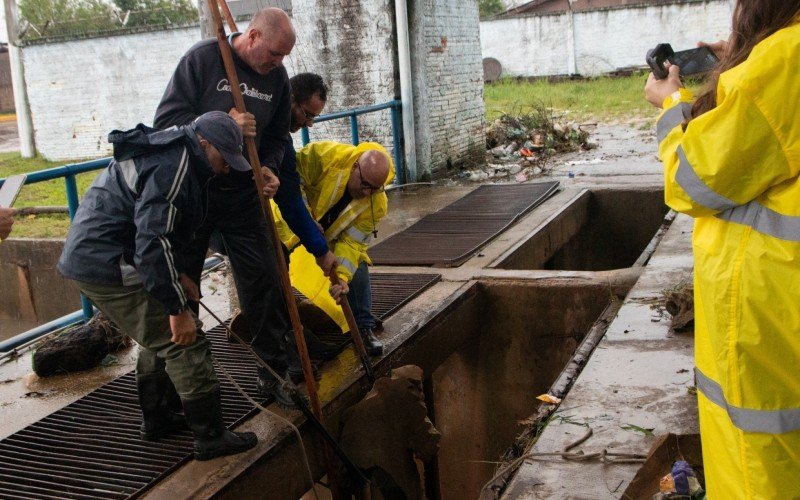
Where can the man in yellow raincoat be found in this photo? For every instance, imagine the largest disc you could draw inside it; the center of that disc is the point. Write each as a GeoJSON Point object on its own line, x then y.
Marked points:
{"type": "Point", "coordinates": [343, 186]}
{"type": "Point", "coordinates": [735, 167]}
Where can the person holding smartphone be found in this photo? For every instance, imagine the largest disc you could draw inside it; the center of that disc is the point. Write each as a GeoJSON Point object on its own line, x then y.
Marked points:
{"type": "Point", "coordinates": [732, 161]}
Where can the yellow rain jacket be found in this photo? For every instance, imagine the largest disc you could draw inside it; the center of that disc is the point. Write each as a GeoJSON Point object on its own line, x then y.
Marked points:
{"type": "Point", "coordinates": [736, 169]}
{"type": "Point", "coordinates": [324, 169]}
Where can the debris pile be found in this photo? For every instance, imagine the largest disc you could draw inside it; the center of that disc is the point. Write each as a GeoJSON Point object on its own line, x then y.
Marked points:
{"type": "Point", "coordinates": [679, 303]}
{"type": "Point", "coordinates": [520, 145]}
{"type": "Point", "coordinates": [79, 348]}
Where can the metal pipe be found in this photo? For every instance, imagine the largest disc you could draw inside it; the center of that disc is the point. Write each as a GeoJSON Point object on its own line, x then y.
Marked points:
{"type": "Point", "coordinates": [400, 172]}
{"type": "Point", "coordinates": [40, 331]}
{"type": "Point", "coordinates": [304, 135]}
{"type": "Point", "coordinates": [64, 170]}
{"type": "Point", "coordinates": [354, 130]}
{"type": "Point", "coordinates": [406, 90]}
{"type": "Point", "coordinates": [27, 147]}
{"type": "Point", "coordinates": [70, 319]}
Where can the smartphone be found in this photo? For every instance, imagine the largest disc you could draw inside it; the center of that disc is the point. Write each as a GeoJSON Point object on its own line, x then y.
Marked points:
{"type": "Point", "coordinates": [694, 61]}
{"type": "Point", "coordinates": [691, 62]}
{"type": "Point", "coordinates": [10, 190]}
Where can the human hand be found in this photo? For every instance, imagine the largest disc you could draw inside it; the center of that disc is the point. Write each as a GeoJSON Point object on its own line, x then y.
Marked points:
{"type": "Point", "coordinates": [246, 122]}
{"type": "Point", "coordinates": [6, 221]}
{"type": "Point", "coordinates": [655, 91]}
{"type": "Point", "coordinates": [327, 263]}
{"type": "Point", "coordinates": [190, 287]}
{"type": "Point", "coordinates": [271, 182]}
{"type": "Point", "coordinates": [339, 291]}
{"type": "Point", "coordinates": [183, 328]}
{"type": "Point", "coordinates": [718, 48]}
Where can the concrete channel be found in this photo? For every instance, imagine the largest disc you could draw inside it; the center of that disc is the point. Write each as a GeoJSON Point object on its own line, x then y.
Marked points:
{"type": "Point", "coordinates": [519, 319]}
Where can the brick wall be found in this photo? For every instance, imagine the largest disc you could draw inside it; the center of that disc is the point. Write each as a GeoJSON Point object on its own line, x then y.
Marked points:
{"type": "Point", "coordinates": [448, 86]}
{"type": "Point", "coordinates": [604, 40]}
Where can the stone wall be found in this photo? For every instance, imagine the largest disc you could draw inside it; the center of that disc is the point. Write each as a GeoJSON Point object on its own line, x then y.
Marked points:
{"type": "Point", "coordinates": [448, 86]}
{"type": "Point", "coordinates": [603, 40]}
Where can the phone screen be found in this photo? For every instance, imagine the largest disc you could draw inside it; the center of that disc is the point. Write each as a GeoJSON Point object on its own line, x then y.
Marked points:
{"type": "Point", "coordinates": [694, 61]}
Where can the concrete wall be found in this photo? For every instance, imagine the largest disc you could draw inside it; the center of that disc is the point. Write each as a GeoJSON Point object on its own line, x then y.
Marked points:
{"type": "Point", "coordinates": [603, 40]}
{"type": "Point", "coordinates": [80, 90]}
{"type": "Point", "coordinates": [350, 43]}
{"type": "Point", "coordinates": [32, 291]}
{"type": "Point", "coordinates": [448, 85]}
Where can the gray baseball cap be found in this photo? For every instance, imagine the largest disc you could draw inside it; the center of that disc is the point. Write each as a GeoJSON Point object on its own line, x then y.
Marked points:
{"type": "Point", "coordinates": [221, 130]}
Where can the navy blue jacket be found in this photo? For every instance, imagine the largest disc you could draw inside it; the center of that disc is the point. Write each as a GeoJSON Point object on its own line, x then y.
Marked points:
{"type": "Point", "coordinates": [139, 213]}
{"type": "Point", "coordinates": [289, 199]}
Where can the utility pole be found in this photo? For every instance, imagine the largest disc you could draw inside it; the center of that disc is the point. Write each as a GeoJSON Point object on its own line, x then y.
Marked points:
{"type": "Point", "coordinates": [23, 111]}
{"type": "Point", "coordinates": [207, 29]}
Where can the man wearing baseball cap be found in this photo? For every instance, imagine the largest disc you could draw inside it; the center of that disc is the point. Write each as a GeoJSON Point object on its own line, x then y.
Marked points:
{"type": "Point", "coordinates": [124, 251]}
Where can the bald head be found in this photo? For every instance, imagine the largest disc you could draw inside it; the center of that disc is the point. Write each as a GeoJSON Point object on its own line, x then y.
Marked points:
{"type": "Point", "coordinates": [369, 174]}
{"type": "Point", "coordinates": [269, 38]}
{"type": "Point", "coordinates": [275, 23]}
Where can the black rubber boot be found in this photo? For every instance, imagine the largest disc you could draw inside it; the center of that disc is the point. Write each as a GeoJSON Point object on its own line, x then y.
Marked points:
{"type": "Point", "coordinates": [373, 346]}
{"type": "Point", "coordinates": [295, 372]}
{"type": "Point", "coordinates": [270, 386]}
{"type": "Point", "coordinates": [160, 414]}
{"type": "Point", "coordinates": [211, 438]}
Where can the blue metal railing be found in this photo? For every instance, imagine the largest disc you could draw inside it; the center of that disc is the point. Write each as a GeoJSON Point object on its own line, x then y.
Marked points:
{"type": "Point", "coordinates": [397, 131]}
{"type": "Point", "coordinates": [68, 173]}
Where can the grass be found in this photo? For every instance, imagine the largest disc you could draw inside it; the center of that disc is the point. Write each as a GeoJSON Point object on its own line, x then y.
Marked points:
{"type": "Point", "coordinates": [49, 193]}
{"type": "Point", "coordinates": [602, 99]}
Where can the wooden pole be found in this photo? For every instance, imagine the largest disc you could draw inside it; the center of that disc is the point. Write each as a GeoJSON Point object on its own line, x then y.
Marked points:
{"type": "Point", "coordinates": [283, 271]}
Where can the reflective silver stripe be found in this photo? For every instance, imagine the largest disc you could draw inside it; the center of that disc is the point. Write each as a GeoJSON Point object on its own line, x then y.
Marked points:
{"type": "Point", "coordinates": [128, 169]}
{"type": "Point", "coordinates": [357, 235]}
{"type": "Point", "coordinates": [764, 220]}
{"type": "Point", "coordinates": [767, 421]}
{"type": "Point", "coordinates": [697, 189]}
{"type": "Point", "coordinates": [348, 265]}
{"type": "Point", "coordinates": [173, 192]}
{"type": "Point", "coordinates": [672, 118]}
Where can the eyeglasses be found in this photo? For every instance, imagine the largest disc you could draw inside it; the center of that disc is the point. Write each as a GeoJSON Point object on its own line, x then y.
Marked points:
{"type": "Point", "coordinates": [366, 185]}
{"type": "Point", "coordinates": [308, 114]}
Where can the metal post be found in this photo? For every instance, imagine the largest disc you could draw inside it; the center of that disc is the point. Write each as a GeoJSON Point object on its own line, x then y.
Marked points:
{"type": "Point", "coordinates": [72, 205]}
{"type": "Point", "coordinates": [304, 135]}
{"type": "Point", "coordinates": [400, 174]}
{"type": "Point", "coordinates": [354, 129]}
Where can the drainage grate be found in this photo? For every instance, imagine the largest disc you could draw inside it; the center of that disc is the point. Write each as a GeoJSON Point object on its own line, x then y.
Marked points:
{"type": "Point", "coordinates": [91, 448]}
{"type": "Point", "coordinates": [450, 236]}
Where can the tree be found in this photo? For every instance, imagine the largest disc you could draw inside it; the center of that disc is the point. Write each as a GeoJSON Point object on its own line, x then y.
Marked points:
{"type": "Point", "coordinates": [488, 8]}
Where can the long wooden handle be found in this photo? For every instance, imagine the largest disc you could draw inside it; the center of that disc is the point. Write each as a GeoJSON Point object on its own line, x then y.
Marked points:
{"type": "Point", "coordinates": [283, 272]}
{"type": "Point", "coordinates": [354, 331]}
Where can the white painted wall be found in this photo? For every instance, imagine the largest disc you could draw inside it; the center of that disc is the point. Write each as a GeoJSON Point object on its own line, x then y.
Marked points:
{"type": "Point", "coordinates": [81, 90]}
{"type": "Point", "coordinates": [604, 40]}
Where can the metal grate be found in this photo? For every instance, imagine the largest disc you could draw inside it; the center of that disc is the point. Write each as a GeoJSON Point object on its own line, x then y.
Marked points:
{"type": "Point", "coordinates": [91, 448]}
{"type": "Point", "coordinates": [452, 235]}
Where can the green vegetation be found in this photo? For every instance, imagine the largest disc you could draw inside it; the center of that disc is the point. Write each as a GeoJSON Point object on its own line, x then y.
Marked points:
{"type": "Point", "coordinates": [603, 99]}
{"type": "Point", "coordinates": [65, 18]}
{"type": "Point", "coordinates": [488, 8]}
{"type": "Point", "coordinates": [50, 193]}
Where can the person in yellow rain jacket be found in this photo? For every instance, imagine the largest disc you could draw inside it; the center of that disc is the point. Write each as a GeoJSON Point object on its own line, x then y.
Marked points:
{"type": "Point", "coordinates": [343, 186]}
{"type": "Point", "coordinates": [732, 161]}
